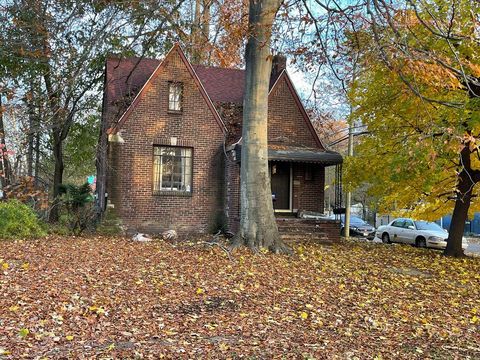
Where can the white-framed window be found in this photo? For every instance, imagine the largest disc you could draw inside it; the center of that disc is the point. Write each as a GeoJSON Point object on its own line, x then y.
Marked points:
{"type": "Point", "coordinates": [172, 169]}
{"type": "Point", "coordinates": [175, 93]}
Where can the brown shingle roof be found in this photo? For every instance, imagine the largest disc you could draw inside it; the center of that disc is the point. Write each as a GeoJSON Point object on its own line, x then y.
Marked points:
{"type": "Point", "coordinates": [124, 79]}
{"type": "Point", "coordinates": [222, 85]}
{"type": "Point", "coordinates": [291, 153]}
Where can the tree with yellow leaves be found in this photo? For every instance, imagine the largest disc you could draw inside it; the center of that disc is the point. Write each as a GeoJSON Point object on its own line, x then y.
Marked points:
{"type": "Point", "coordinates": [419, 96]}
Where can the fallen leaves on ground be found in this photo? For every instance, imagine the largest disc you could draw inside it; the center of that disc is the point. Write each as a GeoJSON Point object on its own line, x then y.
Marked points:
{"type": "Point", "coordinates": [106, 298]}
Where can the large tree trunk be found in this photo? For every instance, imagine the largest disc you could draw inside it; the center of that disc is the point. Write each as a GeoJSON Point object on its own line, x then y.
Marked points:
{"type": "Point", "coordinates": [467, 178]}
{"type": "Point", "coordinates": [4, 163]}
{"type": "Point", "coordinates": [258, 228]}
{"type": "Point", "coordinates": [466, 182]}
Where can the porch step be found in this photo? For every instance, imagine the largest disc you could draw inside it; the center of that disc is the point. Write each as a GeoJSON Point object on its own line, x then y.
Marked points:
{"type": "Point", "coordinates": [295, 229]}
{"type": "Point", "coordinates": [314, 239]}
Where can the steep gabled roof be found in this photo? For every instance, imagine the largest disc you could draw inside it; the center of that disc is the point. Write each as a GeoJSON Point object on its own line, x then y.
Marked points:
{"type": "Point", "coordinates": [127, 78]}
{"type": "Point", "coordinates": [142, 72]}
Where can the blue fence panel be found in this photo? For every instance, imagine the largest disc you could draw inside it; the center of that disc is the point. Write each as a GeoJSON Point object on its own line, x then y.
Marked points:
{"type": "Point", "coordinates": [471, 226]}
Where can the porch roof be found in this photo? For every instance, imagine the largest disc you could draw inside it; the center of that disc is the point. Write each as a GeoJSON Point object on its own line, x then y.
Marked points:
{"type": "Point", "coordinates": [291, 153]}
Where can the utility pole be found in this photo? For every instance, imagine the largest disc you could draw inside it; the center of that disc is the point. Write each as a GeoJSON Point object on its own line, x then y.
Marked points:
{"type": "Point", "coordinates": [348, 202]}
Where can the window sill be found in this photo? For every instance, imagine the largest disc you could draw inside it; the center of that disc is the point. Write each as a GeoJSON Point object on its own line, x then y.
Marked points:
{"type": "Point", "coordinates": [172, 193]}
{"type": "Point", "coordinates": [175, 112]}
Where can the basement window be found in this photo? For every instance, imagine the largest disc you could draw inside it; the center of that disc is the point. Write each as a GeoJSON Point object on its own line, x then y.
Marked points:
{"type": "Point", "coordinates": [175, 93]}
{"type": "Point", "coordinates": [172, 170]}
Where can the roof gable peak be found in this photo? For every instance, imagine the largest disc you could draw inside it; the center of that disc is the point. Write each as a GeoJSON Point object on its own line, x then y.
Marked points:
{"type": "Point", "coordinates": [176, 48]}
{"type": "Point", "coordinates": [284, 76]}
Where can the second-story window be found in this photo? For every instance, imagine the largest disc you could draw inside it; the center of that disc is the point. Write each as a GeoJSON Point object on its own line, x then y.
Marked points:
{"type": "Point", "coordinates": [175, 90]}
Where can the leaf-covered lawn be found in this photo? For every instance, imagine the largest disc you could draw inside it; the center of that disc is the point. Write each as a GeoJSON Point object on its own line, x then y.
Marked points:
{"type": "Point", "coordinates": [108, 297]}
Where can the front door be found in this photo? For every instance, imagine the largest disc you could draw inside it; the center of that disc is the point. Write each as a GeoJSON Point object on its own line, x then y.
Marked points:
{"type": "Point", "coordinates": [280, 178]}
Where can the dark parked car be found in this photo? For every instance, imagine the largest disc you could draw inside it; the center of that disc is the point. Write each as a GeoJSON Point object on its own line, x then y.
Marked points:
{"type": "Point", "coordinates": [358, 227]}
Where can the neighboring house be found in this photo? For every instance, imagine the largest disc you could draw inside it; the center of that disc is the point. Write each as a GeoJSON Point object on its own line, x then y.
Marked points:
{"type": "Point", "coordinates": [173, 155]}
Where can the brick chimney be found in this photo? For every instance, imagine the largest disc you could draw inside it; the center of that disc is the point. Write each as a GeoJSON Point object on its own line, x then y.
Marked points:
{"type": "Point", "coordinates": [279, 63]}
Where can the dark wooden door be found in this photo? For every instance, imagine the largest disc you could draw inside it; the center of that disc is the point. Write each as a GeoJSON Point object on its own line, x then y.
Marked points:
{"type": "Point", "coordinates": [280, 179]}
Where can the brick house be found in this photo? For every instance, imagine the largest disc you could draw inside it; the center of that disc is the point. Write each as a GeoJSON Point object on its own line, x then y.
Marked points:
{"type": "Point", "coordinates": [174, 143]}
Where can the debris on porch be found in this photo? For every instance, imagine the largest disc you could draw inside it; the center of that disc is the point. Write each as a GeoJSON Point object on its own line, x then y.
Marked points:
{"type": "Point", "coordinates": [304, 214]}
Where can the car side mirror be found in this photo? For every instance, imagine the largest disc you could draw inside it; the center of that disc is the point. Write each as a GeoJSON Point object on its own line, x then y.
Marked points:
{"type": "Point", "coordinates": [411, 227]}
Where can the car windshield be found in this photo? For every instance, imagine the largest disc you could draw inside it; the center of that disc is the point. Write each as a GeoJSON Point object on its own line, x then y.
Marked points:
{"type": "Point", "coordinates": [354, 220]}
{"type": "Point", "coordinates": [427, 225]}
{"type": "Point", "coordinates": [357, 221]}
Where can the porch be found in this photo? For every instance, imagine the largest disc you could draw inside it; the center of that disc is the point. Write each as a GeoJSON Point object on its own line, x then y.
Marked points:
{"type": "Point", "coordinates": [297, 176]}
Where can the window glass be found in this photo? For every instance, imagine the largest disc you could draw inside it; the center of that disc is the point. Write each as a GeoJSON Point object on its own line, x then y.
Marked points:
{"type": "Point", "coordinates": [398, 223]}
{"type": "Point", "coordinates": [408, 223]}
{"type": "Point", "coordinates": [357, 221]}
{"type": "Point", "coordinates": [172, 169]}
{"type": "Point", "coordinates": [427, 225]}
{"type": "Point", "coordinates": [175, 90]}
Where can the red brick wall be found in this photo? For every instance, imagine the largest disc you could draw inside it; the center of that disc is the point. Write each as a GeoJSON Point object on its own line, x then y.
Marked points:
{"type": "Point", "coordinates": [131, 167]}
{"type": "Point", "coordinates": [285, 121]}
{"type": "Point", "coordinates": [285, 124]}
{"type": "Point", "coordinates": [308, 194]}
{"type": "Point", "coordinates": [216, 182]}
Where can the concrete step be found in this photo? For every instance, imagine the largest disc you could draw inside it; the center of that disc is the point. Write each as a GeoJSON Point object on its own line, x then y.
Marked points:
{"type": "Point", "coordinates": [297, 230]}
{"type": "Point", "coordinates": [309, 236]}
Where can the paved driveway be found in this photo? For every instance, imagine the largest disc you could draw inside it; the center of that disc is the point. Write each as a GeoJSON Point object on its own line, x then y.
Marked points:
{"type": "Point", "coordinates": [473, 248]}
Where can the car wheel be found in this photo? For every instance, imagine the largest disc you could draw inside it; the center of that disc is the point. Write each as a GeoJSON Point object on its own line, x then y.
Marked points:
{"type": "Point", "coordinates": [421, 242]}
{"type": "Point", "coordinates": [386, 238]}
{"type": "Point", "coordinates": [342, 232]}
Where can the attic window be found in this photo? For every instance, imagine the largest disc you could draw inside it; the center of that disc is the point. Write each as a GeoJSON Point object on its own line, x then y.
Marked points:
{"type": "Point", "coordinates": [175, 92]}
{"type": "Point", "coordinates": [172, 170]}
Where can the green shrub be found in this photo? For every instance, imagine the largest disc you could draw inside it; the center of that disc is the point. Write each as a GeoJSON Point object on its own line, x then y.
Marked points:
{"type": "Point", "coordinates": [18, 221]}
{"type": "Point", "coordinates": [110, 224]}
{"type": "Point", "coordinates": [80, 210]}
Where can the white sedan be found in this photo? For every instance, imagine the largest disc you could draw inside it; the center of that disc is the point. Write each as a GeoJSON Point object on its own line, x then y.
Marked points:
{"type": "Point", "coordinates": [419, 233]}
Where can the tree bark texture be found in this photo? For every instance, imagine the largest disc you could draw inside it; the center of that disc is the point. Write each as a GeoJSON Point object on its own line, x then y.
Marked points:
{"type": "Point", "coordinates": [4, 163]}
{"type": "Point", "coordinates": [58, 138]}
{"type": "Point", "coordinates": [101, 165]}
{"type": "Point", "coordinates": [30, 133]}
{"type": "Point", "coordinates": [57, 177]}
{"type": "Point", "coordinates": [200, 31]}
{"type": "Point", "coordinates": [466, 181]}
{"type": "Point", "coordinates": [258, 228]}
{"type": "Point", "coordinates": [37, 155]}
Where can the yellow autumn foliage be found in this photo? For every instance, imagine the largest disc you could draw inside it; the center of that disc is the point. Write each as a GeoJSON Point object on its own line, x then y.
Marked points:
{"type": "Point", "coordinates": [417, 111]}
